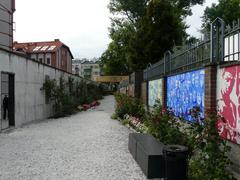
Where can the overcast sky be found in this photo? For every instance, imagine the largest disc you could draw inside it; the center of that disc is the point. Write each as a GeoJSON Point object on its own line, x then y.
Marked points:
{"type": "Point", "coordinates": [82, 25]}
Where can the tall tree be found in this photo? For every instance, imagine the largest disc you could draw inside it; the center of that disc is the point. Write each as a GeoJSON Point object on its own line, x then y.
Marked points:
{"type": "Point", "coordinates": [228, 10]}
{"type": "Point", "coordinates": [157, 31]}
{"type": "Point", "coordinates": [142, 30]}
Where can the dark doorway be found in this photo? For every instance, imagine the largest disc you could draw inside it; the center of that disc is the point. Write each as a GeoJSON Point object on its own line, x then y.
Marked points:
{"type": "Point", "coordinates": [11, 100]}
{"type": "Point", "coordinates": [7, 100]}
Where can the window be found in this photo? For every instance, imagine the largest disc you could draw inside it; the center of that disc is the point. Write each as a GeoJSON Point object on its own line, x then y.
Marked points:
{"type": "Point", "coordinates": [44, 48]}
{"type": "Point", "coordinates": [37, 48]}
{"type": "Point", "coordinates": [40, 59]}
{"type": "Point", "coordinates": [51, 48]}
{"type": "Point", "coordinates": [48, 61]}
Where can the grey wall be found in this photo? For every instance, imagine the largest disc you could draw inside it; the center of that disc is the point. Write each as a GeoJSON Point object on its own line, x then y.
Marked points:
{"type": "Point", "coordinates": [6, 17]}
{"type": "Point", "coordinates": [30, 102]}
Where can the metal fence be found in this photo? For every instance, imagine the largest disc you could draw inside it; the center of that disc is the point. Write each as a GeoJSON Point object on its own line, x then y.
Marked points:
{"type": "Point", "coordinates": [223, 44]}
{"type": "Point", "coordinates": [232, 42]}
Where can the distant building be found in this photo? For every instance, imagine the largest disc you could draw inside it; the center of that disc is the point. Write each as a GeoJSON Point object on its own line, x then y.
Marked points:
{"type": "Point", "coordinates": [53, 53]}
{"type": "Point", "coordinates": [85, 68]}
{"type": "Point", "coordinates": [7, 8]}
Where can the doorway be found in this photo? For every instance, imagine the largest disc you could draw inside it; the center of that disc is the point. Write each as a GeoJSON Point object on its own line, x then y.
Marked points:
{"type": "Point", "coordinates": [7, 100]}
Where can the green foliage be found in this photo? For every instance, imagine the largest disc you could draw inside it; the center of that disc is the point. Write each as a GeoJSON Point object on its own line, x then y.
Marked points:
{"type": "Point", "coordinates": [228, 10]}
{"type": "Point", "coordinates": [165, 127]}
{"type": "Point", "coordinates": [142, 31]}
{"type": "Point", "coordinates": [125, 122]}
{"type": "Point", "coordinates": [128, 105]}
{"type": "Point", "coordinates": [210, 152]}
{"type": "Point", "coordinates": [67, 96]}
{"type": "Point", "coordinates": [158, 31]}
{"type": "Point", "coordinates": [132, 9]}
{"type": "Point", "coordinates": [207, 151]}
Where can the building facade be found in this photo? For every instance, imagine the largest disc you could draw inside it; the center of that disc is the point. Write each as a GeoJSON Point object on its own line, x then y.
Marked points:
{"type": "Point", "coordinates": [7, 8]}
{"type": "Point", "coordinates": [53, 53]}
{"type": "Point", "coordinates": [86, 69]}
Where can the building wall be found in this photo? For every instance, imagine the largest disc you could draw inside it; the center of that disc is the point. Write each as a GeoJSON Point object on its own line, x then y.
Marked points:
{"type": "Point", "coordinates": [185, 91]}
{"type": "Point", "coordinates": [6, 24]}
{"type": "Point", "coordinates": [89, 70]}
{"type": "Point", "coordinates": [30, 75]}
{"type": "Point", "coordinates": [64, 59]}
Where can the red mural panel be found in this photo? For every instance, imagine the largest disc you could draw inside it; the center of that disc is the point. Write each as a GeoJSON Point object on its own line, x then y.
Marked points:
{"type": "Point", "coordinates": [228, 101]}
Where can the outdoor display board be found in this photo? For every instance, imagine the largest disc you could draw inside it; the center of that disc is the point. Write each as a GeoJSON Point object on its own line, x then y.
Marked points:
{"type": "Point", "coordinates": [155, 92]}
{"type": "Point", "coordinates": [185, 91]}
{"type": "Point", "coordinates": [228, 103]}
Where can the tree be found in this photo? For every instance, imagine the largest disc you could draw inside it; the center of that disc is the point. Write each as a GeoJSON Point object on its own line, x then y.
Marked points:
{"type": "Point", "coordinates": [142, 30]}
{"type": "Point", "coordinates": [158, 31]}
{"type": "Point", "coordinates": [228, 10]}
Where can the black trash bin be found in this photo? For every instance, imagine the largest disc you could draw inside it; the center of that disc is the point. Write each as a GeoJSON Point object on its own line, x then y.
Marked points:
{"type": "Point", "coordinates": [175, 162]}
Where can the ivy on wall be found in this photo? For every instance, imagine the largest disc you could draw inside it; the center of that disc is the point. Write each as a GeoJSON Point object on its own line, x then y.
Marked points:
{"type": "Point", "coordinates": [66, 96]}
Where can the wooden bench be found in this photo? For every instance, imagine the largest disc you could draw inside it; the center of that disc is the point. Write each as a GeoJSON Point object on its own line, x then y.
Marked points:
{"type": "Point", "coordinates": [148, 153]}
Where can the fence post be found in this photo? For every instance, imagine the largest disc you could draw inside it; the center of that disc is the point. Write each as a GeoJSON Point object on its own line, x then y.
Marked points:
{"type": "Point", "coordinates": [164, 89]}
{"type": "Point", "coordinates": [167, 59]}
{"type": "Point", "coordinates": [147, 86]}
{"type": "Point", "coordinates": [217, 40]}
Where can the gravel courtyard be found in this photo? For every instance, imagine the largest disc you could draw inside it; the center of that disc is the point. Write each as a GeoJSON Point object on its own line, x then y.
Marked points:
{"type": "Point", "coordinates": [88, 145]}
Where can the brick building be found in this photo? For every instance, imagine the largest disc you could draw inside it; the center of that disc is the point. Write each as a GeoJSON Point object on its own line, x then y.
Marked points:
{"type": "Point", "coordinates": [53, 53]}
{"type": "Point", "coordinates": [7, 8]}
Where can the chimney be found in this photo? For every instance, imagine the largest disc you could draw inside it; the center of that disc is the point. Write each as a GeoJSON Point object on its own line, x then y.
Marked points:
{"type": "Point", "coordinates": [56, 40]}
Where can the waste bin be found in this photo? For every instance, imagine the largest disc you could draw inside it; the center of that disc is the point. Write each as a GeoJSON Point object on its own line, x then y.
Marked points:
{"type": "Point", "coordinates": [175, 162]}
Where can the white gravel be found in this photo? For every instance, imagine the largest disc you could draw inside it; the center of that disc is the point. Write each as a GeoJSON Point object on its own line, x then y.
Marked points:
{"type": "Point", "coordinates": [88, 145]}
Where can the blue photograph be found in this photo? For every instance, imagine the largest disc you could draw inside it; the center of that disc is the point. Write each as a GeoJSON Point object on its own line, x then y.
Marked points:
{"type": "Point", "coordinates": [185, 91]}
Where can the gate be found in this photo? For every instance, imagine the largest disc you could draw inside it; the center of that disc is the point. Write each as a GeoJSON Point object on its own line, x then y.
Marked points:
{"type": "Point", "coordinates": [7, 101]}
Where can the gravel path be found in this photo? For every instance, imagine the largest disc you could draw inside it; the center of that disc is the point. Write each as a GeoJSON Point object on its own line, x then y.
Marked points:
{"type": "Point", "coordinates": [88, 146]}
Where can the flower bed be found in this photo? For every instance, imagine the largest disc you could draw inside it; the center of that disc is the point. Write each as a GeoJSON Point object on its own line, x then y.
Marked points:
{"type": "Point", "coordinates": [207, 150]}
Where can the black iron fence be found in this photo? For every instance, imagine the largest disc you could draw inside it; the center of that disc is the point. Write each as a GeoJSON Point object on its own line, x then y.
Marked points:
{"type": "Point", "coordinates": [223, 44]}
{"type": "Point", "coordinates": [232, 42]}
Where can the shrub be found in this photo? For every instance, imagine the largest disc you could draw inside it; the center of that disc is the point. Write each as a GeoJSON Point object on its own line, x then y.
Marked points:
{"type": "Point", "coordinates": [209, 160]}
{"type": "Point", "coordinates": [128, 105]}
{"type": "Point", "coordinates": [67, 96]}
{"type": "Point", "coordinates": [165, 127]}
{"type": "Point", "coordinates": [207, 151]}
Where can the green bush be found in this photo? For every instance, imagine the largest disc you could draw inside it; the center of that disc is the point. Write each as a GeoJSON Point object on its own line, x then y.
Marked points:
{"type": "Point", "coordinates": [207, 151]}
{"type": "Point", "coordinates": [165, 127]}
{"type": "Point", "coordinates": [67, 96]}
{"type": "Point", "coordinates": [128, 105]}
{"type": "Point", "coordinates": [210, 159]}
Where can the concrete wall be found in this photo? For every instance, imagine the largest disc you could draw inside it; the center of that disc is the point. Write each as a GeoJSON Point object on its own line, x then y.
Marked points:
{"type": "Point", "coordinates": [6, 21]}
{"type": "Point", "coordinates": [30, 75]}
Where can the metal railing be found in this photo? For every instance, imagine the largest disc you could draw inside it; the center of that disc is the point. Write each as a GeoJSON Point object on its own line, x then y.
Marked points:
{"type": "Point", "coordinates": [222, 45]}
{"type": "Point", "coordinates": [232, 42]}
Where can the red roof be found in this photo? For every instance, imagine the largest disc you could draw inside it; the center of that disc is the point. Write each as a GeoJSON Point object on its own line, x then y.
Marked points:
{"type": "Point", "coordinates": [39, 47]}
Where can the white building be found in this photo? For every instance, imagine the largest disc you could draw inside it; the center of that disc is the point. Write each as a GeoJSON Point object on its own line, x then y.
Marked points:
{"type": "Point", "coordinates": [85, 68]}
